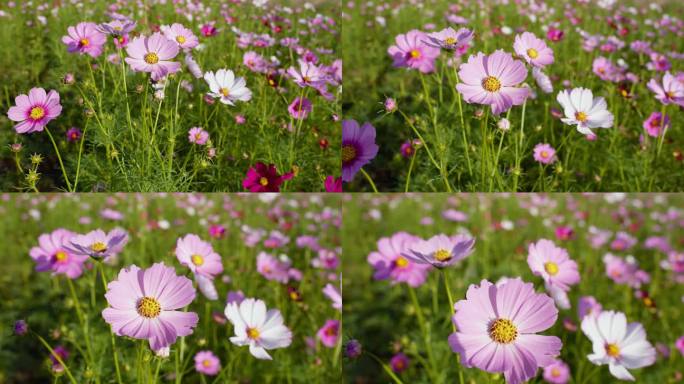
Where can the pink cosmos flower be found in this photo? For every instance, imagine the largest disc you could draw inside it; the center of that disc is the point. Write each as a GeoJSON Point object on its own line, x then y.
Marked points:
{"type": "Point", "coordinates": [679, 344]}
{"type": "Point", "coordinates": [399, 362]}
{"type": "Point", "coordinates": [256, 327]}
{"type": "Point", "coordinates": [144, 303]}
{"type": "Point", "coordinates": [557, 373]}
{"type": "Point", "coordinates": [493, 80]}
{"type": "Point", "coordinates": [199, 256]}
{"type": "Point", "coordinates": [264, 178]}
{"type": "Point", "coordinates": [271, 268]}
{"type": "Point", "coordinates": [331, 292]}
{"type": "Point", "coordinates": [553, 264]}
{"type": "Point", "coordinates": [449, 38]}
{"type": "Point", "coordinates": [625, 271]}
{"type": "Point", "coordinates": [623, 241]}
{"type": "Point", "coordinates": [299, 108]}
{"type": "Point", "coordinates": [309, 75]}
{"type": "Point", "coordinates": [655, 125]}
{"type": "Point", "coordinates": [497, 326]}
{"type": "Point", "coordinates": [440, 250]}
{"type": "Point", "coordinates": [555, 34]}
{"type": "Point", "coordinates": [153, 54]}
{"type": "Point", "coordinates": [534, 50]}
{"type": "Point", "coordinates": [604, 69]}
{"type": "Point", "coordinates": [98, 244]}
{"type": "Point", "coordinates": [411, 51]}
{"type": "Point", "coordinates": [85, 38]}
{"type": "Point", "coordinates": [51, 254]}
{"type": "Point", "coordinates": [329, 333]}
{"type": "Point", "coordinates": [544, 153]}
{"type": "Point", "coordinates": [197, 135]}
{"type": "Point", "coordinates": [389, 263]}
{"type": "Point", "coordinates": [181, 35]}
{"type": "Point", "coordinates": [207, 363]}
{"type": "Point", "coordinates": [670, 91]}
{"type": "Point", "coordinates": [588, 306]}
{"type": "Point", "coordinates": [35, 110]}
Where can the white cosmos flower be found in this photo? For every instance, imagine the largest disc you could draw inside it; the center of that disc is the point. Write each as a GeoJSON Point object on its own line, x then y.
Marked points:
{"type": "Point", "coordinates": [257, 328]}
{"type": "Point", "coordinates": [618, 344]}
{"type": "Point", "coordinates": [581, 108]}
{"type": "Point", "coordinates": [227, 87]}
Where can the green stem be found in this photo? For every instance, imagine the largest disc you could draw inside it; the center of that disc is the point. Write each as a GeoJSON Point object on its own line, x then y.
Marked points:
{"type": "Point", "coordinates": [426, 335]}
{"type": "Point", "coordinates": [408, 177]}
{"type": "Point", "coordinates": [59, 157]}
{"type": "Point", "coordinates": [463, 131]}
{"type": "Point", "coordinates": [369, 180]}
{"type": "Point", "coordinates": [386, 367]}
{"type": "Point", "coordinates": [56, 356]}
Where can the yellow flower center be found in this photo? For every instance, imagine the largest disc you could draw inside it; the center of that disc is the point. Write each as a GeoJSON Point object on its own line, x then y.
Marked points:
{"type": "Point", "coordinates": [401, 262]}
{"type": "Point", "coordinates": [532, 53]}
{"type": "Point", "coordinates": [348, 153]}
{"type": "Point", "coordinates": [98, 247]}
{"type": "Point", "coordinates": [148, 307]}
{"type": "Point", "coordinates": [225, 92]}
{"type": "Point", "coordinates": [263, 181]}
{"type": "Point", "coordinates": [306, 79]}
{"type": "Point", "coordinates": [151, 58]}
{"type": "Point", "coordinates": [442, 255]}
{"type": "Point", "coordinates": [61, 256]}
{"type": "Point", "coordinates": [544, 154]}
{"type": "Point", "coordinates": [491, 84]}
{"type": "Point", "coordinates": [555, 372]}
{"type": "Point", "coordinates": [503, 331]}
{"type": "Point", "coordinates": [253, 333]}
{"type": "Point", "coordinates": [551, 267]}
{"type": "Point", "coordinates": [415, 54]}
{"type": "Point", "coordinates": [118, 29]}
{"type": "Point", "coordinates": [612, 350]}
{"type": "Point", "coordinates": [207, 362]}
{"type": "Point", "coordinates": [670, 94]}
{"type": "Point", "coordinates": [84, 42]}
{"type": "Point", "coordinates": [581, 117]}
{"type": "Point", "coordinates": [197, 260]}
{"type": "Point", "coordinates": [450, 41]}
{"type": "Point", "coordinates": [180, 39]}
{"type": "Point", "coordinates": [37, 113]}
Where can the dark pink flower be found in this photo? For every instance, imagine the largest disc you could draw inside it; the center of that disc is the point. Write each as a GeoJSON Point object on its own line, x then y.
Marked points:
{"type": "Point", "coordinates": [264, 178]}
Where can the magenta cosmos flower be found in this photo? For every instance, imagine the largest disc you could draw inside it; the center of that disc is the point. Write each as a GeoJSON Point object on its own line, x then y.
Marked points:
{"type": "Point", "coordinates": [333, 184]}
{"type": "Point", "coordinates": [143, 304]}
{"type": "Point", "coordinates": [358, 147]}
{"type": "Point", "coordinates": [389, 263]}
{"type": "Point", "coordinates": [533, 50]}
{"type": "Point", "coordinates": [497, 328]}
{"type": "Point", "coordinates": [557, 373]}
{"type": "Point", "coordinates": [153, 54]}
{"type": "Point", "coordinates": [553, 264]}
{"type": "Point", "coordinates": [181, 35]}
{"type": "Point", "coordinates": [51, 254]}
{"type": "Point", "coordinates": [329, 333]}
{"type": "Point", "coordinates": [98, 244]}
{"type": "Point", "coordinates": [544, 153]}
{"type": "Point", "coordinates": [199, 256]}
{"type": "Point", "coordinates": [493, 80]}
{"type": "Point", "coordinates": [411, 51]}
{"type": "Point", "coordinates": [260, 329]}
{"type": "Point", "coordinates": [264, 178]}
{"type": "Point", "coordinates": [669, 91]}
{"type": "Point", "coordinates": [35, 110]}
{"type": "Point", "coordinates": [207, 363]}
{"type": "Point", "coordinates": [440, 251]}
{"type": "Point", "coordinates": [85, 38]}
{"type": "Point", "coordinates": [655, 124]}
{"type": "Point", "coordinates": [300, 108]}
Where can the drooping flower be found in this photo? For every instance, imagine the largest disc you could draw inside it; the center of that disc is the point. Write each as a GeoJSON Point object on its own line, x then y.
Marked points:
{"type": "Point", "coordinates": [256, 327]}
{"type": "Point", "coordinates": [181, 35]}
{"type": "Point", "coordinates": [493, 80]}
{"type": "Point", "coordinates": [329, 333]}
{"type": "Point", "coordinates": [35, 110]}
{"type": "Point", "coordinates": [449, 39]}
{"type": "Point", "coordinates": [52, 254]}
{"type": "Point", "coordinates": [585, 111]}
{"type": "Point", "coordinates": [226, 87]}
{"type": "Point", "coordinates": [544, 153]}
{"type": "Point", "coordinates": [615, 342]}
{"type": "Point", "coordinates": [98, 244]}
{"type": "Point", "coordinates": [655, 124]}
{"type": "Point", "coordinates": [497, 326]}
{"type": "Point", "coordinates": [300, 108]}
{"type": "Point", "coordinates": [264, 178]}
{"type": "Point", "coordinates": [153, 55]}
{"type": "Point", "coordinates": [358, 147]}
{"type": "Point", "coordinates": [85, 38]}
{"type": "Point", "coordinates": [207, 363]}
{"type": "Point", "coordinates": [197, 135]}
{"type": "Point", "coordinates": [440, 250]}
{"type": "Point", "coordinates": [533, 49]}
{"type": "Point", "coordinates": [117, 28]}
{"type": "Point", "coordinates": [199, 256]}
{"type": "Point", "coordinates": [411, 51]}
{"type": "Point", "coordinates": [144, 304]}
{"type": "Point", "coordinates": [557, 373]}
{"type": "Point", "coordinates": [389, 263]}
{"type": "Point", "coordinates": [669, 91]}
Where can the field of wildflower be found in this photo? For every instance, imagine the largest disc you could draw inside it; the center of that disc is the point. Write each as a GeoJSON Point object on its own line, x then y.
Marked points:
{"type": "Point", "coordinates": [482, 288]}
{"type": "Point", "coordinates": [170, 288]}
{"type": "Point", "coordinates": [162, 95]}
{"type": "Point", "coordinates": [577, 95]}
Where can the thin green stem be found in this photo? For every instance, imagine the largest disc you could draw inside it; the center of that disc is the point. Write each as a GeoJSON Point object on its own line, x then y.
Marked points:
{"type": "Point", "coordinates": [426, 334]}
{"type": "Point", "coordinates": [386, 367]}
{"type": "Point", "coordinates": [408, 176]}
{"type": "Point", "coordinates": [59, 157]}
{"type": "Point", "coordinates": [57, 357]}
{"type": "Point", "coordinates": [370, 181]}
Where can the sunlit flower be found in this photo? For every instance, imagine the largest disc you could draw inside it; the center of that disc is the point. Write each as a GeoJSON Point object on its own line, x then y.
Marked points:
{"type": "Point", "coordinates": [256, 327]}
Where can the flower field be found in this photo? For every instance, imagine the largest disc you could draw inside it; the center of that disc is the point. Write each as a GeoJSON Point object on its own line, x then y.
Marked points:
{"type": "Point", "coordinates": [482, 288]}
{"type": "Point", "coordinates": [170, 288]}
{"type": "Point", "coordinates": [579, 95]}
{"type": "Point", "coordinates": [153, 96]}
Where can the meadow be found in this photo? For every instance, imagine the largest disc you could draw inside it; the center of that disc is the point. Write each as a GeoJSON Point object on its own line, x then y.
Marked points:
{"type": "Point", "coordinates": [615, 252]}
{"type": "Point", "coordinates": [282, 251]}
{"type": "Point", "coordinates": [169, 96]}
{"type": "Point", "coordinates": [468, 95]}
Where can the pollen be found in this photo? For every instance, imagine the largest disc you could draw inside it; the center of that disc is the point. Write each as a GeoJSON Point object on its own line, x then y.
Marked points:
{"type": "Point", "coordinates": [450, 41]}
{"type": "Point", "coordinates": [551, 267]}
{"type": "Point", "coordinates": [61, 256]}
{"type": "Point", "coordinates": [491, 84]}
{"type": "Point", "coordinates": [197, 259]}
{"type": "Point", "coordinates": [253, 333]}
{"type": "Point", "coordinates": [503, 331]}
{"type": "Point", "coordinates": [180, 39]}
{"type": "Point", "coordinates": [98, 247]}
{"type": "Point", "coordinates": [544, 154]}
{"type": "Point", "coordinates": [442, 255]}
{"type": "Point", "coordinates": [225, 92]}
{"type": "Point", "coordinates": [348, 153]}
{"type": "Point", "coordinates": [532, 53]}
{"type": "Point", "coordinates": [555, 372]}
{"type": "Point", "coordinates": [151, 58]}
{"type": "Point", "coordinates": [415, 54]}
{"type": "Point", "coordinates": [37, 113]}
{"type": "Point", "coordinates": [581, 117]}
{"type": "Point", "coordinates": [148, 307]}
{"type": "Point", "coordinates": [84, 42]}
{"type": "Point", "coordinates": [263, 181]}
{"type": "Point", "coordinates": [206, 363]}
{"type": "Point", "coordinates": [612, 350]}
{"type": "Point", "coordinates": [401, 262]}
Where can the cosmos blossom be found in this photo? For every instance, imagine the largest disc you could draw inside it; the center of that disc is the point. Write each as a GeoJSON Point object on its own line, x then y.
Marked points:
{"type": "Point", "coordinates": [497, 329]}
{"type": "Point", "coordinates": [207, 363]}
{"type": "Point", "coordinates": [358, 147]}
{"type": "Point", "coordinates": [544, 153]}
{"type": "Point", "coordinates": [533, 49]}
{"type": "Point", "coordinates": [256, 327]}
{"type": "Point", "coordinates": [226, 87]}
{"type": "Point", "coordinates": [98, 244]}
{"type": "Point", "coordinates": [197, 135]}
{"type": "Point", "coordinates": [411, 51]}
{"type": "Point", "coordinates": [329, 333]}
{"type": "Point", "coordinates": [51, 254]}
{"type": "Point", "coordinates": [668, 91]}
{"type": "Point", "coordinates": [35, 110]}
{"type": "Point", "coordinates": [449, 38]}
{"type": "Point", "coordinates": [153, 54]}
{"type": "Point", "coordinates": [334, 295]}
{"type": "Point", "coordinates": [181, 35]}
{"type": "Point", "coordinates": [144, 303]}
{"type": "Point", "coordinates": [585, 111]}
{"type": "Point", "coordinates": [308, 75]}
{"type": "Point", "coordinates": [300, 108]}
{"type": "Point", "coordinates": [440, 250]}
{"type": "Point", "coordinates": [553, 264]}
{"type": "Point", "coordinates": [85, 38]}
{"type": "Point", "coordinates": [199, 256]}
{"type": "Point", "coordinates": [617, 343]}
{"type": "Point", "coordinates": [493, 80]}
{"type": "Point", "coordinates": [333, 184]}
{"type": "Point", "coordinates": [265, 178]}
{"type": "Point", "coordinates": [557, 373]}
{"type": "Point", "coordinates": [389, 263]}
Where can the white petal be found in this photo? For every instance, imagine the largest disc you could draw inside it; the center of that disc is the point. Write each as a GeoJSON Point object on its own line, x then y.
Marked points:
{"type": "Point", "coordinates": [620, 372]}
